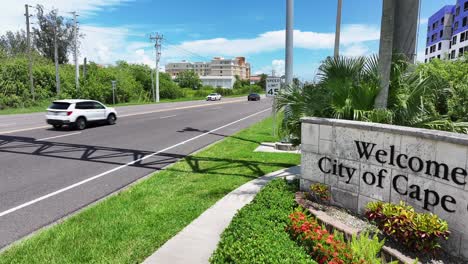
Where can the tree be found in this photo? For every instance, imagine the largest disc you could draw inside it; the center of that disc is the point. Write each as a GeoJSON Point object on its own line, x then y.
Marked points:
{"type": "Point", "coordinates": [49, 25]}
{"type": "Point", "coordinates": [262, 82]}
{"type": "Point", "coordinates": [14, 43]}
{"type": "Point", "coordinates": [189, 79]}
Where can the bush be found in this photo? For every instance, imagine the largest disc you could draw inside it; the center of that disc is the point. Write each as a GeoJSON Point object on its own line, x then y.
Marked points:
{"type": "Point", "coordinates": [417, 231]}
{"type": "Point", "coordinates": [257, 232]}
{"type": "Point", "coordinates": [318, 242]}
{"type": "Point", "coordinates": [367, 249]}
{"type": "Point", "coordinates": [321, 190]}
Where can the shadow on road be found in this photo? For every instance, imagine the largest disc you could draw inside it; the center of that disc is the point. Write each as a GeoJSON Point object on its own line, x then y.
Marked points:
{"type": "Point", "coordinates": [196, 130]}
{"type": "Point", "coordinates": [121, 156]}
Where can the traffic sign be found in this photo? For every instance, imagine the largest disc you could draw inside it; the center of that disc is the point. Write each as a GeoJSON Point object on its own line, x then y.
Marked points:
{"type": "Point", "coordinates": [273, 85]}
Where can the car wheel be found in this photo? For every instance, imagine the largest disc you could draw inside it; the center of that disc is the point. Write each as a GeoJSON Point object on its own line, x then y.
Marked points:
{"type": "Point", "coordinates": [57, 126]}
{"type": "Point", "coordinates": [111, 119]}
{"type": "Point", "coordinates": [80, 123]}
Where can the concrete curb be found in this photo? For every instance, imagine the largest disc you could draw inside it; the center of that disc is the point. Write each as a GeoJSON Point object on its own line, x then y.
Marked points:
{"type": "Point", "coordinates": [197, 241]}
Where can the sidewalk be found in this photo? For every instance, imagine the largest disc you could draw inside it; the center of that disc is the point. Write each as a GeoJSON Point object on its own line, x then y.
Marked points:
{"type": "Point", "coordinates": [197, 241]}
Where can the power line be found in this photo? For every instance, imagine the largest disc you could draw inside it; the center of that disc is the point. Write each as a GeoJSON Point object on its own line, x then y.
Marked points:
{"type": "Point", "coordinates": [188, 51]}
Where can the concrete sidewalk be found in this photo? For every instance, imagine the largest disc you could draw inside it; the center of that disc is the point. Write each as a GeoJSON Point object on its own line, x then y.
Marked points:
{"type": "Point", "coordinates": [197, 241]}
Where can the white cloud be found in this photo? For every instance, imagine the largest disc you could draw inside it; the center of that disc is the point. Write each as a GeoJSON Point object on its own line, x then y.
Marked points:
{"type": "Point", "coordinates": [276, 65]}
{"type": "Point", "coordinates": [274, 40]}
{"type": "Point", "coordinates": [12, 17]}
{"type": "Point", "coordinates": [423, 21]}
{"type": "Point", "coordinates": [356, 50]}
{"type": "Point", "coordinates": [106, 45]}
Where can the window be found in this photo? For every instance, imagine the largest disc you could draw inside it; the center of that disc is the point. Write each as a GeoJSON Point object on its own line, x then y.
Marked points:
{"type": "Point", "coordinates": [456, 26]}
{"type": "Point", "coordinates": [438, 56]}
{"type": "Point", "coordinates": [457, 11]}
{"type": "Point", "coordinates": [84, 105]}
{"type": "Point", "coordinates": [465, 19]}
{"type": "Point", "coordinates": [440, 46]}
{"type": "Point", "coordinates": [465, 7]}
{"type": "Point", "coordinates": [454, 40]}
{"type": "Point", "coordinates": [59, 106]}
{"type": "Point", "coordinates": [463, 36]}
{"type": "Point", "coordinates": [97, 105]}
{"type": "Point", "coordinates": [441, 34]}
{"type": "Point", "coordinates": [425, 60]}
{"type": "Point", "coordinates": [427, 41]}
{"type": "Point", "coordinates": [426, 50]}
{"type": "Point", "coordinates": [434, 37]}
{"type": "Point", "coordinates": [460, 52]}
{"type": "Point", "coordinates": [453, 54]}
{"type": "Point", "coordinates": [442, 20]}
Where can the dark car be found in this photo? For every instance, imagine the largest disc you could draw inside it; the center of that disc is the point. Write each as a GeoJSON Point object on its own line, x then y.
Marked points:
{"type": "Point", "coordinates": [253, 97]}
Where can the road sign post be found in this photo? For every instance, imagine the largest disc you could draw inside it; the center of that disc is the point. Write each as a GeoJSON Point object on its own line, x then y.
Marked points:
{"type": "Point", "coordinates": [273, 85]}
{"type": "Point", "coordinates": [113, 92]}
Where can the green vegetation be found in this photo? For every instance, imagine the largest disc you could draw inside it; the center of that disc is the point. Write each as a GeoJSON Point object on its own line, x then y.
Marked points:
{"type": "Point", "coordinates": [433, 95]}
{"type": "Point", "coordinates": [133, 80]}
{"type": "Point", "coordinates": [417, 231]}
{"type": "Point", "coordinates": [128, 227]}
{"type": "Point", "coordinates": [367, 248]}
{"type": "Point", "coordinates": [257, 232]}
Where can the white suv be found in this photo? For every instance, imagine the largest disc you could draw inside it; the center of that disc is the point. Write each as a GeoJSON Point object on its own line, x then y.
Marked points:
{"type": "Point", "coordinates": [79, 113]}
{"type": "Point", "coordinates": [213, 97]}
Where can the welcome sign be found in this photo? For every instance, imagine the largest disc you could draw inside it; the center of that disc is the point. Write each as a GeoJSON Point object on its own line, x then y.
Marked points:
{"type": "Point", "coordinates": [364, 162]}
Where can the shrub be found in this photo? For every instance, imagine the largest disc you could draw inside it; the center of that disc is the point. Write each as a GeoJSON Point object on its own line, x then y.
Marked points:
{"type": "Point", "coordinates": [257, 232]}
{"type": "Point", "coordinates": [366, 248]}
{"type": "Point", "coordinates": [321, 190]}
{"type": "Point", "coordinates": [318, 242]}
{"type": "Point", "coordinates": [417, 231]}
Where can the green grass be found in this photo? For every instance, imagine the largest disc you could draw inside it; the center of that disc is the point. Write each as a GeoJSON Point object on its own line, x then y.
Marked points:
{"type": "Point", "coordinates": [257, 232]}
{"type": "Point", "coordinates": [128, 227]}
{"type": "Point", "coordinates": [41, 106]}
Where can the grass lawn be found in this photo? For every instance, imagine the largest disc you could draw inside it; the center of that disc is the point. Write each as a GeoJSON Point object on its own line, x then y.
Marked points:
{"type": "Point", "coordinates": [128, 227]}
{"type": "Point", "coordinates": [257, 232]}
{"type": "Point", "coordinates": [42, 105]}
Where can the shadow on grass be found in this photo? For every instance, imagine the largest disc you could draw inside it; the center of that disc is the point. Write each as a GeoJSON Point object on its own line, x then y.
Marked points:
{"type": "Point", "coordinates": [196, 130]}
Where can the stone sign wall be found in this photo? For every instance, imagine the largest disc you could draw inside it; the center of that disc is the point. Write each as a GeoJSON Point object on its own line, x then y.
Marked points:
{"type": "Point", "coordinates": [364, 162]}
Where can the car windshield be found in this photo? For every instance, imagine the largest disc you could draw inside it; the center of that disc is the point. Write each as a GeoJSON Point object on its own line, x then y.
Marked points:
{"type": "Point", "coordinates": [59, 106]}
{"type": "Point", "coordinates": [213, 94]}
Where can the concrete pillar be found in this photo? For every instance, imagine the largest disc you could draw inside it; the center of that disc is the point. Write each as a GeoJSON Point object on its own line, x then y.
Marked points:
{"type": "Point", "coordinates": [397, 35]}
{"type": "Point", "coordinates": [406, 28]}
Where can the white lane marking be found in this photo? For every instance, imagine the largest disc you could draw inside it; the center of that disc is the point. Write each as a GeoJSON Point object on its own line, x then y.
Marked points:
{"type": "Point", "coordinates": [9, 211]}
{"type": "Point", "coordinates": [23, 129]}
{"type": "Point", "coordinates": [180, 108]}
{"type": "Point", "coordinates": [71, 134]}
{"type": "Point", "coordinates": [164, 117]}
{"type": "Point", "coordinates": [127, 115]}
{"type": "Point", "coordinates": [7, 124]}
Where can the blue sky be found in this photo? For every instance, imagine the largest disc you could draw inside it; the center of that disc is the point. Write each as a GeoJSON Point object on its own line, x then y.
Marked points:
{"type": "Point", "coordinates": [199, 30]}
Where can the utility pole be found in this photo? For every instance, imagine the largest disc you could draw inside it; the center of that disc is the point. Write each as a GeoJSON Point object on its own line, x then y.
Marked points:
{"type": "Point", "coordinates": [28, 39]}
{"type": "Point", "coordinates": [289, 40]}
{"type": "Point", "coordinates": [84, 67]}
{"type": "Point", "coordinates": [157, 46]}
{"type": "Point", "coordinates": [153, 92]}
{"type": "Point", "coordinates": [57, 76]}
{"type": "Point", "coordinates": [338, 28]}
{"type": "Point", "coordinates": [75, 52]}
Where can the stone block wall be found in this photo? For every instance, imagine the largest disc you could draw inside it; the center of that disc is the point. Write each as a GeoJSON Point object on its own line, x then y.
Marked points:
{"type": "Point", "coordinates": [364, 162]}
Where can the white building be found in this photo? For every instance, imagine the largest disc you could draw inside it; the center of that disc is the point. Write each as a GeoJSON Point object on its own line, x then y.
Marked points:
{"type": "Point", "coordinates": [226, 82]}
{"type": "Point", "coordinates": [218, 66]}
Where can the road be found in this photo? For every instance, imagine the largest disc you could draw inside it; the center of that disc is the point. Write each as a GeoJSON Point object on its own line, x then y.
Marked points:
{"type": "Point", "coordinates": [46, 174]}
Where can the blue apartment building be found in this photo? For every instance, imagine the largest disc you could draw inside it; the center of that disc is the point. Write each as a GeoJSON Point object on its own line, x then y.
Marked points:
{"type": "Point", "coordinates": [447, 32]}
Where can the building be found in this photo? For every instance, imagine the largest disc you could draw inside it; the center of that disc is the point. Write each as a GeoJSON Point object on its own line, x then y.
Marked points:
{"type": "Point", "coordinates": [447, 32]}
{"type": "Point", "coordinates": [226, 82]}
{"type": "Point", "coordinates": [218, 66]}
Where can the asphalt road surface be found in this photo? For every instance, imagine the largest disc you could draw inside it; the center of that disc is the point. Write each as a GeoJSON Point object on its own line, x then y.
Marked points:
{"type": "Point", "coordinates": [47, 174]}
